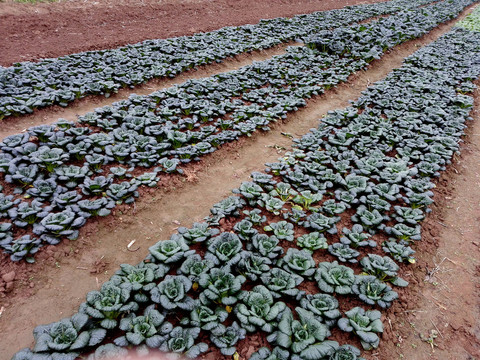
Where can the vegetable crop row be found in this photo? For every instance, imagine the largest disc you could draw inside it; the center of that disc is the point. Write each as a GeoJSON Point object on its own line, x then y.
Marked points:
{"type": "Point", "coordinates": [30, 85]}
{"type": "Point", "coordinates": [54, 169]}
{"type": "Point", "coordinates": [472, 21]}
{"type": "Point", "coordinates": [328, 223]}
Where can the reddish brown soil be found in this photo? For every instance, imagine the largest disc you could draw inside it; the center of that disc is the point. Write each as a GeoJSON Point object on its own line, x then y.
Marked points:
{"type": "Point", "coordinates": [30, 32]}
{"type": "Point", "coordinates": [443, 295]}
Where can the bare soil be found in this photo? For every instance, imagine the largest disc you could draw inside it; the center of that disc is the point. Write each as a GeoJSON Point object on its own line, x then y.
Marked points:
{"type": "Point", "coordinates": [442, 297]}
{"type": "Point", "coordinates": [30, 32]}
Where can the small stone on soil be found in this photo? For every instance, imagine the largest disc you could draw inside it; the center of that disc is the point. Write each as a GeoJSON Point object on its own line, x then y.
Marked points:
{"type": "Point", "coordinates": [9, 277]}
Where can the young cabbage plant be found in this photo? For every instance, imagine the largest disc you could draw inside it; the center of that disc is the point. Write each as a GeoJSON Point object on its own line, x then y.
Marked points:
{"type": "Point", "coordinates": [355, 237]}
{"type": "Point", "coordinates": [108, 304]}
{"type": "Point", "coordinates": [25, 247]}
{"type": "Point", "coordinates": [323, 306]}
{"type": "Point", "coordinates": [122, 193]}
{"type": "Point", "coordinates": [365, 324]}
{"type": "Point", "coordinates": [71, 175]}
{"type": "Point", "coordinates": [400, 251]}
{"type": "Point", "coordinates": [225, 338]}
{"type": "Point", "coordinates": [258, 310]}
{"type": "Point", "coordinates": [220, 286]}
{"type": "Point", "coordinates": [194, 266]}
{"type": "Point", "coordinates": [227, 207]}
{"type": "Point", "coordinates": [181, 342]}
{"type": "Point", "coordinates": [404, 232]}
{"type": "Point", "coordinates": [252, 265]}
{"type": "Point", "coordinates": [170, 251]}
{"type": "Point", "coordinates": [322, 223]}
{"type": "Point", "coordinates": [54, 226]}
{"type": "Point", "coordinates": [23, 174]}
{"type": "Point", "coordinates": [245, 229]}
{"type": "Point", "coordinates": [150, 329]}
{"type": "Point", "coordinates": [372, 291]}
{"type": "Point", "coordinates": [28, 213]}
{"type": "Point", "coordinates": [206, 318]}
{"type": "Point", "coordinates": [408, 215]}
{"type": "Point", "coordinates": [282, 230]}
{"type": "Point", "coordinates": [281, 282]}
{"type": "Point", "coordinates": [199, 232]}
{"type": "Point", "coordinates": [250, 190]}
{"type": "Point", "coordinates": [66, 199]}
{"type": "Point", "coordinates": [7, 202]}
{"type": "Point", "coordinates": [277, 353]}
{"type": "Point", "coordinates": [49, 158]}
{"type": "Point", "coordinates": [45, 189]}
{"type": "Point", "coordinates": [332, 208]}
{"type": "Point", "coordinates": [284, 191]}
{"type": "Point", "coordinates": [171, 293]}
{"type": "Point", "coordinates": [382, 267]}
{"type": "Point", "coordinates": [298, 262]}
{"type": "Point", "coordinates": [332, 277]}
{"type": "Point", "coordinates": [312, 241]}
{"type": "Point", "coordinates": [271, 204]}
{"type": "Point", "coordinates": [224, 249]}
{"type": "Point", "coordinates": [97, 207]}
{"type": "Point", "coordinates": [139, 279]}
{"type": "Point", "coordinates": [346, 352]}
{"type": "Point", "coordinates": [68, 337]}
{"type": "Point", "coordinates": [149, 179]}
{"type": "Point", "coordinates": [369, 219]}
{"type": "Point", "coordinates": [343, 252]}
{"type": "Point", "coordinates": [266, 246]}
{"type": "Point", "coordinates": [95, 186]}
{"type": "Point", "coordinates": [305, 337]}
{"type": "Point", "coordinates": [306, 198]}
{"type": "Point", "coordinates": [255, 216]}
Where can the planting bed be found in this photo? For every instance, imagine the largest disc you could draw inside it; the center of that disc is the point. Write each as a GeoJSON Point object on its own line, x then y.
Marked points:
{"type": "Point", "coordinates": [27, 86]}
{"type": "Point", "coordinates": [296, 256]}
{"type": "Point", "coordinates": [57, 165]}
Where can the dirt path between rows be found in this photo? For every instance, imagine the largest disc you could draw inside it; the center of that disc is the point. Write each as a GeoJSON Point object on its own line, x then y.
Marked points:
{"type": "Point", "coordinates": [64, 274]}
{"type": "Point", "coordinates": [30, 32]}
{"type": "Point", "coordinates": [14, 125]}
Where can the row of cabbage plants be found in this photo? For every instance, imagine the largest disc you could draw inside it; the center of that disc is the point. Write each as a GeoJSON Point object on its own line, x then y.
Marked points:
{"type": "Point", "coordinates": [329, 223]}
{"type": "Point", "coordinates": [471, 21]}
{"type": "Point", "coordinates": [58, 176]}
{"type": "Point", "coordinates": [30, 85]}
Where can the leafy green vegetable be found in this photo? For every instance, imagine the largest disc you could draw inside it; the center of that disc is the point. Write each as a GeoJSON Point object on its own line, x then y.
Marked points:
{"type": "Point", "coordinates": [258, 310]}
{"type": "Point", "coordinates": [171, 293]}
{"type": "Point", "coordinates": [365, 324]}
{"type": "Point", "coordinates": [332, 277]}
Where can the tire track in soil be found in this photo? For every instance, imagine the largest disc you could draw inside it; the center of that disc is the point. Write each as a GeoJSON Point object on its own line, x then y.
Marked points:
{"type": "Point", "coordinates": [64, 273]}
{"type": "Point", "coordinates": [49, 115]}
{"type": "Point", "coordinates": [444, 301]}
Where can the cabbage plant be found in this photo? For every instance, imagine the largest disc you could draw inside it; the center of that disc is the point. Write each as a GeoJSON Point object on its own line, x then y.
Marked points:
{"type": "Point", "coordinates": [171, 293]}
{"type": "Point", "coordinates": [332, 277]}
{"type": "Point", "coordinates": [149, 328]}
{"type": "Point", "coordinates": [365, 324]}
{"type": "Point", "coordinates": [258, 310]}
{"type": "Point", "coordinates": [106, 305]}
{"type": "Point", "coordinates": [305, 337]}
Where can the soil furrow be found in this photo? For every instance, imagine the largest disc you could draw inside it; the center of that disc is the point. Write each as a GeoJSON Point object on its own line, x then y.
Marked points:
{"type": "Point", "coordinates": [61, 278]}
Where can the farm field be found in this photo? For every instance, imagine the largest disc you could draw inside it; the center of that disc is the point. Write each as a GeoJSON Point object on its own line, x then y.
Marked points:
{"type": "Point", "coordinates": [379, 190]}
